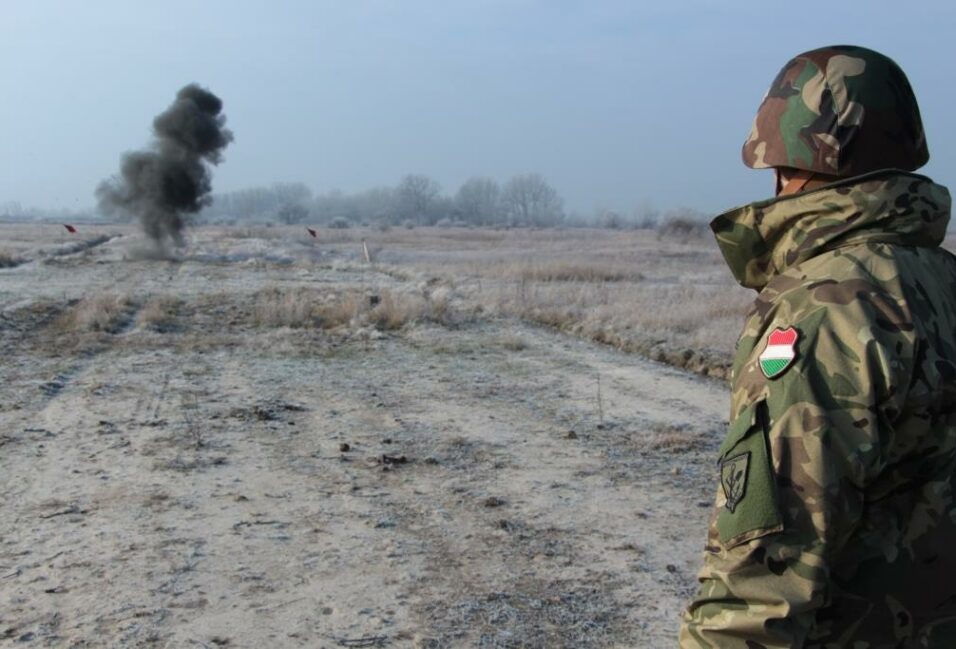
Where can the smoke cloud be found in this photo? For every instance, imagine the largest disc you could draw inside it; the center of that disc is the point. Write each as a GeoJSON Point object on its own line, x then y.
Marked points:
{"type": "Point", "coordinates": [171, 179]}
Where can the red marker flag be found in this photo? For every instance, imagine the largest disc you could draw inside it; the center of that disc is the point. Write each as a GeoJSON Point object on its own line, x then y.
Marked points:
{"type": "Point", "coordinates": [313, 233]}
{"type": "Point", "coordinates": [69, 228]}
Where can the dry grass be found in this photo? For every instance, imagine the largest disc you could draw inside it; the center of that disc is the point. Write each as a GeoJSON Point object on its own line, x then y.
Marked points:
{"type": "Point", "coordinates": [668, 298]}
{"type": "Point", "coordinates": [686, 326]}
{"type": "Point", "coordinates": [105, 312]}
{"type": "Point", "coordinates": [383, 310]}
{"type": "Point", "coordinates": [394, 311]}
{"type": "Point", "coordinates": [254, 232]}
{"type": "Point", "coordinates": [305, 308]}
{"type": "Point", "coordinates": [683, 228]}
{"type": "Point", "coordinates": [159, 313]}
{"type": "Point", "coordinates": [513, 342]}
{"type": "Point", "coordinates": [9, 259]}
{"type": "Point", "coordinates": [677, 439]}
{"type": "Point", "coordinates": [73, 247]}
{"type": "Point", "coordinates": [564, 271]}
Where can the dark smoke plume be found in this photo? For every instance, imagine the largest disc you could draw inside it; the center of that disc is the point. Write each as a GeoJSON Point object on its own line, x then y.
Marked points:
{"type": "Point", "coordinates": [171, 179]}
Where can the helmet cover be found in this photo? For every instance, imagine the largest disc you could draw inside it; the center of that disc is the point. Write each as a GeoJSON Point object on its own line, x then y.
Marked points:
{"type": "Point", "coordinates": [841, 110]}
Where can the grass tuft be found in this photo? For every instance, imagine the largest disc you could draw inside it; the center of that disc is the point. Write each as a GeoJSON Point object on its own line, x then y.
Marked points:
{"type": "Point", "coordinates": [385, 310]}
{"type": "Point", "coordinates": [159, 313]}
{"type": "Point", "coordinates": [9, 260]}
{"type": "Point", "coordinates": [395, 310]}
{"type": "Point", "coordinates": [304, 308]}
{"type": "Point", "coordinates": [676, 439]}
{"type": "Point", "coordinates": [106, 312]}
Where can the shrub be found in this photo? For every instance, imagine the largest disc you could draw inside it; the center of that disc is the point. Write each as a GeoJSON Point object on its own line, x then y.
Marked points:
{"type": "Point", "coordinates": [683, 223]}
{"type": "Point", "coordinates": [104, 312]}
{"type": "Point", "coordinates": [569, 271]}
{"type": "Point", "coordinates": [394, 311]}
{"type": "Point", "coordinates": [159, 314]}
{"type": "Point", "coordinates": [340, 223]}
{"type": "Point", "coordinates": [292, 213]}
{"type": "Point", "coordinates": [9, 260]}
{"type": "Point", "coordinates": [302, 307]}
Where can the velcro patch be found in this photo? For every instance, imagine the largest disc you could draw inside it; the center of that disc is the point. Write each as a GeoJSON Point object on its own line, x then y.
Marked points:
{"type": "Point", "coordinates": [779, 352]}
{"type": "Point", "coordinates": [733, 478]}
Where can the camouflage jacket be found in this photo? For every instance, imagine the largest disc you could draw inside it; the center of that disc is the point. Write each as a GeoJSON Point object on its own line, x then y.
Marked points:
{"type": "Point", "coordinates": [835, 520]}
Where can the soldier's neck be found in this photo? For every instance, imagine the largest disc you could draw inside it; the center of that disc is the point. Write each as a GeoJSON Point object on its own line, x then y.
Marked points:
{"type": "Point", "coordinates": [793, 181]}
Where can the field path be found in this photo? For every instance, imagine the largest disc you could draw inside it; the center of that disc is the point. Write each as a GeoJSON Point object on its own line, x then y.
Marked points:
{"type": "Point", "coordinates": [489, 496]}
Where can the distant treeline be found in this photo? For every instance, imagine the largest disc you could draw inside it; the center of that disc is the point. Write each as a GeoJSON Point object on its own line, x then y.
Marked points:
{"type": "Point", "coordinates": [523, 201]}
{"type": "Point", "coordinates": [526, 200]}
{"type": "Point", "coordinates": [14, 211]}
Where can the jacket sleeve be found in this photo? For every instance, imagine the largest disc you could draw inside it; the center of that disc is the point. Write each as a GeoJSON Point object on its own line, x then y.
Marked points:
{"type": "Point", "coordinates": [800, 451]}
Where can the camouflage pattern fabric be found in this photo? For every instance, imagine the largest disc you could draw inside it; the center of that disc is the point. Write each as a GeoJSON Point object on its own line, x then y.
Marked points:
{"type": "Point", "coordinates": [835, 520]}
{"type": "Point", "coordinates": [841, 111]}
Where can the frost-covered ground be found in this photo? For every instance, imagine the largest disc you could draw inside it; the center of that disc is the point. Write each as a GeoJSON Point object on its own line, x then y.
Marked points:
{"type": "Point", "coordinates": [179, 467]}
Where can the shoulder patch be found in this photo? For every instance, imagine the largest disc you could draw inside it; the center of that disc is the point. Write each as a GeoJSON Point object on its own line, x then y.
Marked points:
{"type": "Point", "coordinates": [733, 478]}
{"type": "Point", "coordinates": [779, 352]}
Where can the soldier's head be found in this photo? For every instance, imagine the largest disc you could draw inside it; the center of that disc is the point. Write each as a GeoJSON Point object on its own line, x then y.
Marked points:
{"type": "Point", "coordinates": [836, 112]}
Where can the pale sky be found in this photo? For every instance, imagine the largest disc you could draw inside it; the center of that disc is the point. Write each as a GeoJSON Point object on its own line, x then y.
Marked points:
{"type": "Point", "coordinates": [616, 103]}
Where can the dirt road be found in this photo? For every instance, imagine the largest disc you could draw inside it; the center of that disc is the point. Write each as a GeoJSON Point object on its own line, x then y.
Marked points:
{"type": "Point", "coordinates": [487, 484]}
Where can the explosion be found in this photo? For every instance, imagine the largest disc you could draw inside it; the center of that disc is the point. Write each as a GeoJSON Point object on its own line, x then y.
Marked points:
{"type": "Point", "coordinates": [164, 183]}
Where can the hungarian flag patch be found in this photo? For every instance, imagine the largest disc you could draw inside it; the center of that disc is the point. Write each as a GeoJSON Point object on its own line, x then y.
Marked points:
{"type": "Point", "coordinates": [779, 352]}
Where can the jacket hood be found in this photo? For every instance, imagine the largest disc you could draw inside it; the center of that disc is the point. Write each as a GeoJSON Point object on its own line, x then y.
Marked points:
{"type": "Point", "coordinates": [762, 239]}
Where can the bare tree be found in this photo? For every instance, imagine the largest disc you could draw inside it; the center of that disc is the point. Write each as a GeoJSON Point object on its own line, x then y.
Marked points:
{"type": "Point", "coordinates": [291, 193]}
{"type": "Point", "coordinates": [292, 213]}
{"type": "Point", "coordinates": [416, 196]}
{"type": "Point", "coordinates": [646, 216]}
{"type": "Point", "coordinates": [258, 202]}
{"type": "Point", "coordinates": [330, 205]}
{"type": "Point", "coordinates": [478, 201]}
{"type": "Point", "coordinates": [417, 199]}
{"type": "Point", "coordinates": [377, 205]}
{"type": "Point", "coordinates": [683, 222]}
{"type": "Point", "coordinates": [610, 219]}
{"type": "Point", "coordinates": [530, 200]}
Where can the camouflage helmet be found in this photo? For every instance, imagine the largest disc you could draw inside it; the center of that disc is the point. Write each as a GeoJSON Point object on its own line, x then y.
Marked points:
{"type": "Point", "coordinates": [839, 110]}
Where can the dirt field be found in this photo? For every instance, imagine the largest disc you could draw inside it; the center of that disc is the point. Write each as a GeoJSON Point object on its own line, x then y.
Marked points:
{"type": "Point", "coordinates": [270, 443]}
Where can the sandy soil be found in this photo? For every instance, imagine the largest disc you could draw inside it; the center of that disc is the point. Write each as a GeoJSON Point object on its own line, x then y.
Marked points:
{"type": "Point", "coordinates": [485, 484]}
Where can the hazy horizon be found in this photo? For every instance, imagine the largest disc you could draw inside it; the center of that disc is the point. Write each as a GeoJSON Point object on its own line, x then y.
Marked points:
{"type": "Point", "coordinates": [617, 104]}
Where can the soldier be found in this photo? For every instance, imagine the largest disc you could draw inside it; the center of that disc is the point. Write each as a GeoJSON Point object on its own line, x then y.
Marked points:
{"type": "Point", "coordinates": [835, 521]}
